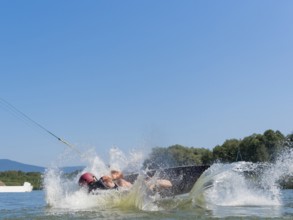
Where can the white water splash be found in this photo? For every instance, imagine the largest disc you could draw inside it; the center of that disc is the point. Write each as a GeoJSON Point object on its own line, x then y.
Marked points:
{"type": "Point", "coordinates": [243, 183]}
{"type": "Point", "coordinates": [64, 193]}
{"type": "Point", "coordinates": [130, 163]}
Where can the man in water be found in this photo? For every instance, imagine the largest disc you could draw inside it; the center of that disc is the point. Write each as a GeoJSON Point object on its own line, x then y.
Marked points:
{"type": "Point", "coordinates": [116, 180]}
{"type": "Point", "coordinates": [92, 183]}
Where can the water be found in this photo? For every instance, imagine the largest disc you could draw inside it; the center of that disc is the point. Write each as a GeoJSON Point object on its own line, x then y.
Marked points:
{"type": "Point", "coordinates": [228, 191]}
{"type": "Point", "coordinates": [33, 206]}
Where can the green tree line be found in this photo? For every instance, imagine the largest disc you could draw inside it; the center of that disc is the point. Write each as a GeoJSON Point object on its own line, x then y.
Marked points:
{"type": "Point", "coordinates": [254, 148]}
{"type": "Point", "coordinates": [17, 178]}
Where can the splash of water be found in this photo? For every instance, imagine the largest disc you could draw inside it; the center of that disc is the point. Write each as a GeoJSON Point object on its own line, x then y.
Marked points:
{"type": "Point", "coordinates": [240, 184]}
{"type": "Point", "coordinates": [243, 183]}
{"type": "Point", "coordinates": [64, 193]}
{"type": "Point", "coordinates": [129, 163]}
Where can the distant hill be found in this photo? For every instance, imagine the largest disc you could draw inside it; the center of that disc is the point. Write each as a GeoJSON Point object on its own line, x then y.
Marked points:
{"type": "Point", "coordinates": [7, 165]}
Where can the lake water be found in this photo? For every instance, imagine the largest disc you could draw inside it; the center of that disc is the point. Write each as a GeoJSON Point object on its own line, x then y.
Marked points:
{"type": "Point", "coordinates": [240, 190]}
{"type": "Point", "coordinates": [33, 206]}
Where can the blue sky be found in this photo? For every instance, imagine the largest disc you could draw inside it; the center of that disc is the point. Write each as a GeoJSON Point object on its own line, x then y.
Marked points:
{"type": "Point", "coordinates": [140, 74]}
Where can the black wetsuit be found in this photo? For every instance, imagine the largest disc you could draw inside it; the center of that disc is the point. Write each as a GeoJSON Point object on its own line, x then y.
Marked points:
{"type": "Point", "coordinates": [99, 184]}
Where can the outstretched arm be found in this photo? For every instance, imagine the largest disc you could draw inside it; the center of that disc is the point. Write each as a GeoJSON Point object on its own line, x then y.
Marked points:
{"type": "Point", "coordinates": [163, 183]}
{"type": "Point", "coordinates": [159, 184]}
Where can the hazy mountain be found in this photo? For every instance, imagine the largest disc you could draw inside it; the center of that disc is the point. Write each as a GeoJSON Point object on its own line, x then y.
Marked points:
{"type": "Point", "coordinates": [6, 165]}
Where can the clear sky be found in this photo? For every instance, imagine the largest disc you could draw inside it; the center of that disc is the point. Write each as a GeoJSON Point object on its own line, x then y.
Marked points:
{"type": "Point", "coordinates": [139, 74]}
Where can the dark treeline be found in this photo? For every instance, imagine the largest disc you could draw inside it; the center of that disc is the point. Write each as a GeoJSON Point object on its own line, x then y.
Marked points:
{"type": "Point", "coordinates": [254, 148]}
{"type": "Point", "coordinates": [17, 178]}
